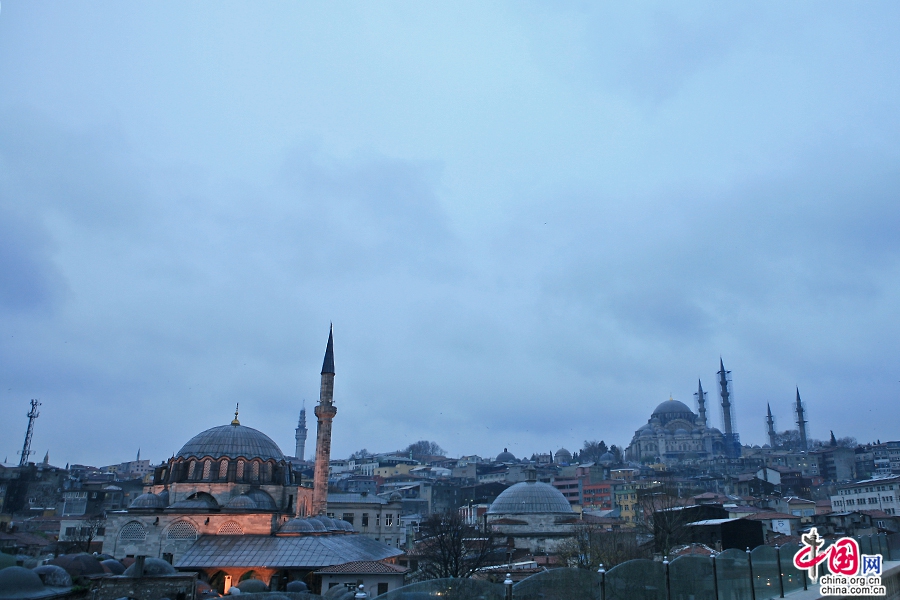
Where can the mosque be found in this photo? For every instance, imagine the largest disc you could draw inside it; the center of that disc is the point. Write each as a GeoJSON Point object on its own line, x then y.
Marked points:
{"type": "Point", "coordinates": [674, 433]}
{"type": "Point", "coordinates": [229, 505]}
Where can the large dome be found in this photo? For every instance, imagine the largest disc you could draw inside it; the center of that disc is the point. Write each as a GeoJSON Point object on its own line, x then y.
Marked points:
{"type": "Point", "coordinates": [530, 497]}
{"type": "Point", "coordinates": [231, 441]}
{"type": "Point", "coordinates": [672, 406]}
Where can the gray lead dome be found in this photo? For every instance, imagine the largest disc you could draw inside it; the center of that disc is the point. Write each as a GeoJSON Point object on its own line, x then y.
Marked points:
{"type": "Point", "coordinates": [231, 441]}
{"type": "Point", "coordinates": [530, 497]}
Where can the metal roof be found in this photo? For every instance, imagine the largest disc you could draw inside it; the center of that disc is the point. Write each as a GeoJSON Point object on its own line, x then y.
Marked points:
{"type": "Point", "coordinates": [309, 551]}
{"type": "Point", "coordinates": [530, 497]}
{"type": "Point", "coordinates": [232, 441]}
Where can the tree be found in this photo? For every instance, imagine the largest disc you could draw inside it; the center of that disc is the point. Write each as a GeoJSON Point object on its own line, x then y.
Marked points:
{"type": "Point", "coordinates": [423, 449]}
{"type": "Point", "coordinates": [592, 545]}
{"type": "Point", "coordinates": [592, 450]}
{"type": "Point", "coordinates": [450, 547]}
{"type": "Point", "coordinates": [82, 536]}
{"type": "Point", "coordinates": [360, 454]}
{"type": "Point", "coordinates": [661, 513]}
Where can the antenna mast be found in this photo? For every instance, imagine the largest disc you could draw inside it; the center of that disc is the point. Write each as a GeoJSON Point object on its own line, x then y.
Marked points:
{"type": "Point", "coordinates": [26, 448]}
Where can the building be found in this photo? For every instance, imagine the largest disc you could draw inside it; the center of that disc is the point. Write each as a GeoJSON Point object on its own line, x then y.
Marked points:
{"type": "Point", "coordinates": [674, 433]}
{"type": "Point", "coordinates": [533, 516]}
{"type": "Point", "coordinates": [880, 493]}
{"type": "Point", "coordinates": [377, 578]}
{"type": "Point", "coordinates": [229, 505]}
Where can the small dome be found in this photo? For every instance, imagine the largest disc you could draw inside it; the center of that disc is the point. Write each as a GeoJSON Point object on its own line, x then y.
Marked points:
{"type": "Point", "coordinates": [198, 501]}
{"type": "Point", "coordinates": [344, 525]}
{"type": "Point", "coordinates": [530, 497]}
{"type": "Point", "coordinates": [114, 566]}
{"type": "Point", "coordinates": [296, 586]}
{"type": "Point", "coordinates": [505, 456]}
{"type": "Point", "coordinates": [647, 433]}
{"type": "Point", "coordinates": [263, 500]}
{"type": "Point", "coordinates": [152, 567]}
{"type": "Point", "coordinates": [327, 522]}
{"type": "Point", "coordinates": [242, 502]}
{"type": "Point", "coordinates": [19, 582]}
{"type": "Point", "coordinates": [298, 526]}
{"type": "Point", "coordinates": [607, 457]}
{"type": "Point", "coordinates": [147, 500]}
{"type": "Point", "coordinates": [53, 576]}
{"type": "Point", "coordinates": [231, 441]}
{"type": "Point", "coordinates": [562, 456]}
{"type": "Point", "coordinates": [251, 586]}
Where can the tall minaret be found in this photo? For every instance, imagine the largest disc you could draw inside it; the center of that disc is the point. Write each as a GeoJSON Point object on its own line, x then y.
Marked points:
{"type": "Point", "coordinates": [300, 434]}
{"type": "Point", "coordinates": [726, 402]}
{"type": "Point", "coordinates": [770, 427]}
{"type": "Point", "coordinates": [325, 412]}
{"type": "Point", "coordinates": [801, 422]}
{"type": "Point", "coordinates": [701, 403]}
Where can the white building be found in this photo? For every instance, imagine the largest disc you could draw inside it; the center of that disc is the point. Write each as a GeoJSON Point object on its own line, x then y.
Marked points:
{"type": "Point", "coordinates": [882, 493]}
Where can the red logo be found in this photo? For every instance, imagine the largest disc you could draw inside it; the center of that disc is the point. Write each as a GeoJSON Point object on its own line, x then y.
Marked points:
{"type": "Point", "coordinates": [842, 556]}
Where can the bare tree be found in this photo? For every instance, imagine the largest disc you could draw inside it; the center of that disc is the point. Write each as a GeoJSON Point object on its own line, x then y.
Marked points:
{"type": "Point", "coordinates": [592, 545]}
{"type": "Point", "coordinates": [360, 454]}
{"type": "Point", "coordinates": [84, 534]}
{"type": "Point", "coordinates": [449, 547]}
{"type": "Point", "coordinates": [661, 513]}
{"type": "Point", "coordinates": [592, 450]}
{"type": "Point", "coordinates": [423, 449]}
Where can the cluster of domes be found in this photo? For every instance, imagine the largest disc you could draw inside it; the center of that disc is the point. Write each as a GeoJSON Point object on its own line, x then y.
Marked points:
{"type": "Point", "coordinates": [253, 499]}
{"type": "Point", "coordinates": [319, 524]}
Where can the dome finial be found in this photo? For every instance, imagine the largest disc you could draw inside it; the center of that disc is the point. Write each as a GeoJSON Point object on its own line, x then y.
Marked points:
{"type": "Point", "coordinates": [235, 421]}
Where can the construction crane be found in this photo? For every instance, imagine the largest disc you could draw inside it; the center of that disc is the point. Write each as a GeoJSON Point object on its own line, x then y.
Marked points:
{"type": "Point", "coordinates": [26, 449]}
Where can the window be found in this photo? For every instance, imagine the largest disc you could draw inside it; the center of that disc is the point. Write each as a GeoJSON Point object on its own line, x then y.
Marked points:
{"type": "Point", "coordinates": [365, 519]}
{"type": "Point", "coordinates": [223, 468]}
{"type": "Point", "coordinates": [133, 532]}
{"type": "Point", "coordinates": [191, 468]}
{"type": "Point", "coordinates": [231, 528]}
{"type": "Point", "coordinates": [389, 520]}
{"type": "Point", "coordinates": [70, 531]}
{"type": "Point", "coordinates": [168, 557]}
{"type": "Point", "coordinates": [382, 589]}
{"type": "Point", "coordinates": [240, 469]}
{"type": "Point", "coordinates": [181, 530]}
{"type": "Point", "coordinates": [207, 468]}
{"type": "Point", "coordinates": [377, 520]}
{"type": "Point", "coordinates": [348, 517]}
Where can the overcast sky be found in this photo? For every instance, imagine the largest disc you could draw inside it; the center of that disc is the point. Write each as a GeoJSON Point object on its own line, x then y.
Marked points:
{"type": "Point", "coordinates": [529, 222]}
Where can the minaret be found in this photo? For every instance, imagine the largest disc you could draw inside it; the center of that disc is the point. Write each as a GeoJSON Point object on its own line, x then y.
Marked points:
{"type": "Point", "coordinates": [300, 434]}
{"type": "Point", "coordinates": [732, 446]}
{"type": "Point", "coordinates": [770, 426]}
{"type": "Point", "coordinates": [325, 412]}
{"type": "Point", "coordinates": [801, 422]}
{"type": "Point", "coordinates": [701, 403]}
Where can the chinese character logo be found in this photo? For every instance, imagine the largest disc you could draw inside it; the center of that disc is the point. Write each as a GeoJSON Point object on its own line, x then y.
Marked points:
{"type": "Point", "coordinates": [871, 565]}
{"type": "Point", "coordinates": [842, 556]}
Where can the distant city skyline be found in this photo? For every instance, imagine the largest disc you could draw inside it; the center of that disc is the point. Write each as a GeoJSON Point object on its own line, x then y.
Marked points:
{"type": "Point", "coordinates": [530, 224]}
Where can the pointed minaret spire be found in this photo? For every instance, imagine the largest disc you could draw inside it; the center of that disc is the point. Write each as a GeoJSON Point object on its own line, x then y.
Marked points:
{"type": "Point", "coordinates": [138, 459]}
{"type": "Point", "coordinates": [732, 444]}
{"type": "Point", "coordinates": [325, 412]}
{"type": "Point", "coordinates": [47, 455]}
{"type": "Point", "coordinates": [770, 427]}
{"type": "Point", "coordinates": [328, 363]}
{"type": "Point", "coordinates": [300, 434]}
{"type": "Point", "coordinates": [701, 403]}
{"type": "Point", "coordinates": [801, 422]}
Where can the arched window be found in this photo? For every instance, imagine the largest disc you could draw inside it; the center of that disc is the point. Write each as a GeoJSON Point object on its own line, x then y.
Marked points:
{"type": "Point", "coordinates": [192, 465]}
{"type": "Point", "coordinates": [207, 468]}
{"type": "Point", "coordinates": [181, 530]}
{"type": "Point", "coordinates": [240, 469]}
{"type": "Point", "coordinates": [231, 528]}
{"type": "Point", "coordinates": [254, 470]}
{"type": "Point", "coordinates": [223, 468]}
{"type": "Point", "coordinates": [133, 531]}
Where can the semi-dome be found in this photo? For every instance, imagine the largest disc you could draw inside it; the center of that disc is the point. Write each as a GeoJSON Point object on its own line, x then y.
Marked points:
{"type": "Point", "coordinates": [263, 500]}
{"type": "Point", "coordinates": [505, 456]}
{"type": "Point", "coordinates": [147, 500]}
{"type": "Point", "coordinates": [530, 497]}
{"type": "Point", "coordinates": [231, 441]}
{"type": "Point", "coordinates": [242, 502]}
